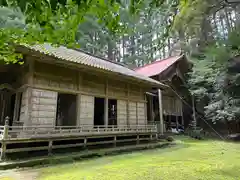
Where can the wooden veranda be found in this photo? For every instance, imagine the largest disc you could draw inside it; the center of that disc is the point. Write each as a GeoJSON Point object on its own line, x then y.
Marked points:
{"type": "Point", "coordinates": [51, 135]}
{"type": "Point", "coordinates": [68, 98]}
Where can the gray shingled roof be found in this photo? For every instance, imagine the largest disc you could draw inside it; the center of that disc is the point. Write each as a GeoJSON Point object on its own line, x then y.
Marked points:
{"type": "Point", "coordinates": [83, 58]}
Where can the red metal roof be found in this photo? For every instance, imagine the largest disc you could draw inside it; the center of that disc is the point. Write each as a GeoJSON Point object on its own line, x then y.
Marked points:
{"type": "Point", "coordinates": [157, 66]}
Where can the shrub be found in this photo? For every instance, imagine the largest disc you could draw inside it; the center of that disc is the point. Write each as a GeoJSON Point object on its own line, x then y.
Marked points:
{"type": "Point", "coordinates": [170, 138]}
{"type": "Point", "coordinates": [234, 137]}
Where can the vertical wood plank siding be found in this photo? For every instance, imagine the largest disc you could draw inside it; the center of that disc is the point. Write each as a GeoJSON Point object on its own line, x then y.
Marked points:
{"type": "Point", "coordinates": [86, 110]}
{"type": "Point", "coordinates": [121, 112]}
{"type": "Point", "coordinates": [48, 80]}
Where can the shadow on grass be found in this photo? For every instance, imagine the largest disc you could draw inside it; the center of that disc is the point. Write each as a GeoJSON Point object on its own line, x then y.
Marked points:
{"type": "Point", "coordinates": [117, 154]}
{"type": "Point", "coordinates": [75, 157]}
{"type": "Point", "coordinates": [99, 155]}
{"type": "Point", "coordinates": [188, 139]}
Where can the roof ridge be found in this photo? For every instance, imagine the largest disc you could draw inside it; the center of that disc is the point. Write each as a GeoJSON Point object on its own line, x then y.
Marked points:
{"type": "Point", "coordinates": [157, 61]}
{"type": "Point", "coordinates": [100, 57]}
{"type": "Point", "coordinates": [80, 57]}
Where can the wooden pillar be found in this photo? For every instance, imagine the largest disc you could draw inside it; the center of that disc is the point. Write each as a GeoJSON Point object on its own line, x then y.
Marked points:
{"type": "Point", "coordinates": [194, 114]}
{"type": "Point", "coordinates": [85, 142]}
{"type": "Point", "coordinates": [151, 108]}
{"type": "Point", "coordinates": [17, 106]}
{"type": "Point", "coordinates": [78, 107]}
{"type": "Point", "coordinates": [128, 105]}
{"type": "Point", "coordinates": [145, 110]}
{"type": "Point", "coordinates": [177, 121]}
{"type": "Point", "coordinates": [5, 136]}
{"type": "Point", "coordinates": [3, 108]}
{"type": "Point", "coordinates": [115, 141]}
{"type": "Point", "coordinates": [160, 111]}
{"type": "Point", "coordinates": [182, 119]}
{"type": "Point", "coordinates": [106, 105]}
{"type": "Point", "coordinates": [137, 123]}
{"type": "Point", "coordinates": [29, 92]}
{"type": "Point", "coordinates": [79, 83]}
{"type": "Point", "coordinates": [50, 143]}
{"type": "Point", "coordinates": [138, 139]}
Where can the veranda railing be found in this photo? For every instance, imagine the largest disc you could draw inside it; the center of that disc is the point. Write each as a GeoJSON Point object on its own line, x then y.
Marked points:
{"type": "Point", "coordinates": [13, 132]}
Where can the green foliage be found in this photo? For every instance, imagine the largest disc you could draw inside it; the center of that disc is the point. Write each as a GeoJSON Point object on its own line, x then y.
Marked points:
{"type": "Point", "coordinates": [191, 14]}
{"type": "Point", "coordinates": [96, 26]}
{"type": "Point", "coordinates": [211, 79]}
{"type": "Point", "coordinates": [55, 27]}
{"type": "Point", "coordinates": [170, 139]}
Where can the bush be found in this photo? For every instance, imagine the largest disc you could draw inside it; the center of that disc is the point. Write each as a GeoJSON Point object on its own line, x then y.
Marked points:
{"type": "Point", "coordinates": [162, 136]}
{"type": "Point", "coordinates": [234, 137]}
{"type": "Point", "coordinates": [170, 139]}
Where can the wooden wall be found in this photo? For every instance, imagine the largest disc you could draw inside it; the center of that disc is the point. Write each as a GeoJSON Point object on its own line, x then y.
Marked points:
{"type": "Point", "coordinates": [132, 113]}
{"type": "Point", "coordinates": [137, 113]}
{"type": "Point", "coordinates": [172, 105]}
{"type": "Point", "coordinates": [40, 98]}
{"type": "Point", "coordinates": [43, 107]}
{"type": "Point", "coordinates": [23, 109]}
{"type": "Point", "coordinates": [122, 112]}
{"type": "Point", "coordinates": [86, 111]}
{"type": "Point", "coordinates": [38, 107]}
{"type": "Point", "coordinates": [141, 114]}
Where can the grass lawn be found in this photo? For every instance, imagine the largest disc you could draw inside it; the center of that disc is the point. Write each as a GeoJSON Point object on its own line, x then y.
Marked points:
{"type": "Point", "coordinates": [189, 160]}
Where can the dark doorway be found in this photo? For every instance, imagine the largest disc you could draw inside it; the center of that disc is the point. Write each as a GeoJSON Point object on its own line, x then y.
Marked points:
{"type": "Point", "coordinates": [112, 112]}
{"type": "Point", "coordinates": [7, 102]}
{"type": "Point", "coordinates": [99, 111]}
{"type": "Point", "coordinates": [149, 118]}
{"type": "Point", "coordinates": [66, 110]}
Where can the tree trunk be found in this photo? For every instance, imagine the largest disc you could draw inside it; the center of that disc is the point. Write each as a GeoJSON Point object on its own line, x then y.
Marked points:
{"type": "Point", "coordinates": [110, 50]}
{"type": "Point", "coordinates": [229, 27]}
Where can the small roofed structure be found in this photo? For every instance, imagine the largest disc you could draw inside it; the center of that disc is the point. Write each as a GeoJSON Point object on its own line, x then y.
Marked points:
{"type": "Point", "coordinates": [62, 98]}
{"type": "Point", "coordinates": [171, 71]}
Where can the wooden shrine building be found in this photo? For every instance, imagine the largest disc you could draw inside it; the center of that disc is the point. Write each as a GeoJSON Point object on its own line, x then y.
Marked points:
{"type": "Point", "coordinates": [170, 71]}
{"type": "Point", "coordinates": [61, 94]}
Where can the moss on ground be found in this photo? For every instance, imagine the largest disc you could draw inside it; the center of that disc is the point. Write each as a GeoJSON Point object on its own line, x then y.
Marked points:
{"type": "Point", "coordinates": [191, 159]}
{"type": "Point", "coordinates": [200, 160]}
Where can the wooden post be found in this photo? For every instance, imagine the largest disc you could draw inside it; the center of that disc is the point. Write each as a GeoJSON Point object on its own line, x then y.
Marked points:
{"type": "Point", "coordinates": [194, 114]}
{"type": "Point", "coordinates": [79, 82]}
{"type": "Point", "coordinates": [50, 147]}
{"type": "Point", "coordinates": [5, 136]}
{"type": "Point", "coordinates": [78, 106]}
{"type": "Point", "coordinates": [128, 105]}
{"type": "Point", "coordinates": [17, 106]}
{"type": "Point", "coordinates": [160, 111]}
{"type": "Point", "coordinates": [151, 108]}
{"type": "Point", "coordinates": [106, 112]}
{"type": "Point", "coordinates": [85, 142]}
{"type": "Point", "coordinates": [30, 91]}
{"type": "Point", "coordinates": [106, 106]}
{"type": "Point", "coordinates": [3, 108]}
{"type": "Point", "coordinates": [115, 141]}
{"type": "Point", "coordinates": [138, 139]}
{"type": "Point", "coordinates": [182, 119]}
{"type": "Point", "coordinates": [137, 114]}
{"type": "Point", "coordinates": [176, 122]}
{"type": "Point", "coordinates": [145, 110]}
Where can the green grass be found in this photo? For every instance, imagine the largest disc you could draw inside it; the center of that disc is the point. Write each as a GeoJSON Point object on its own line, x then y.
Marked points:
{"type": "Point", "coordinates": [190, 160]}
{"type": "Point", "coordinates": [193, 160]}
